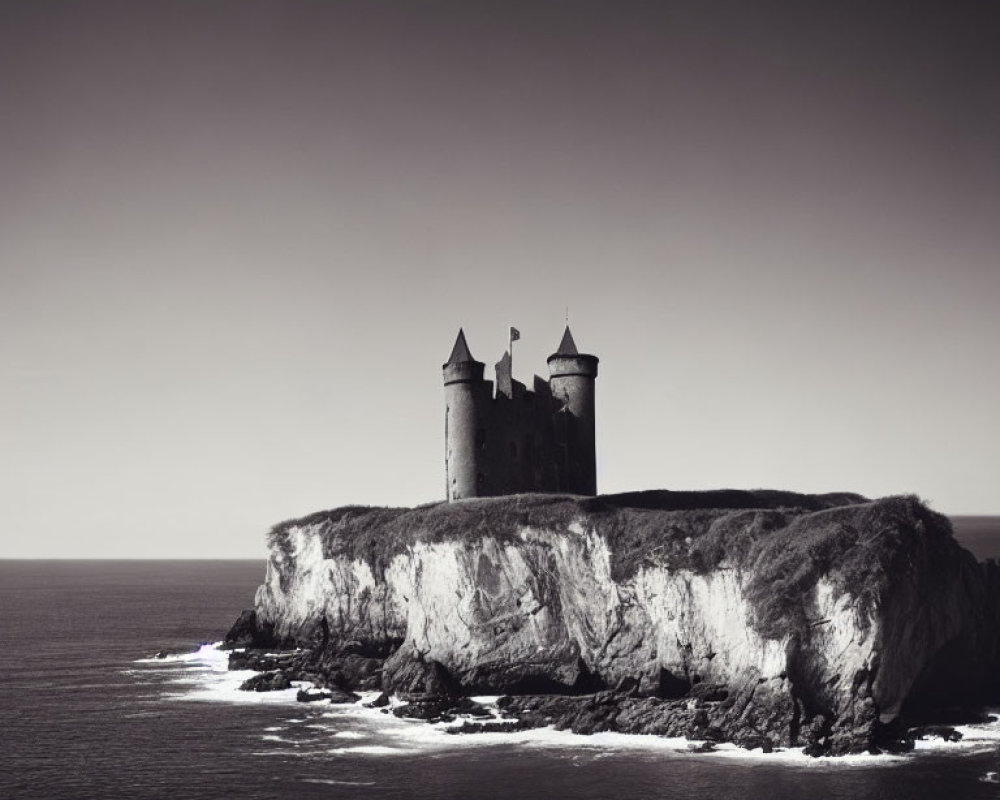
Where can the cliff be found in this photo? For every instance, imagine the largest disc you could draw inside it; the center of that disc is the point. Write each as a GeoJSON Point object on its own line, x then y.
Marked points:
{"type": "Point", "coordinates": [765, 618]}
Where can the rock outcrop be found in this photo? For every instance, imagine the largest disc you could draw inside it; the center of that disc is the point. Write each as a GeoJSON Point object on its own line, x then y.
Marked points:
{"type": "Point", "coordinates": [764, 618]}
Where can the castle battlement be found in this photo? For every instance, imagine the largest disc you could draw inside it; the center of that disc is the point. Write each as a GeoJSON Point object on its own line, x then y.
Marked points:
{"type": "Point", "coordinates": [516, 439]}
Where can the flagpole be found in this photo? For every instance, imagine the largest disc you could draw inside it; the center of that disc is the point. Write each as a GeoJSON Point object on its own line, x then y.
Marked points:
{"type": "Point", "coordinates": [513, 334]}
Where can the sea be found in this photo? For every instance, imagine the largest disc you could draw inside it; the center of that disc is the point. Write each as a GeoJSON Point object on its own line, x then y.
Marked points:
{"type": "Point", "coordinates": [88, 711]}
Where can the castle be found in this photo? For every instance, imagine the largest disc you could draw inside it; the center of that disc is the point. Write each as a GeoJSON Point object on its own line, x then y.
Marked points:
{"type": "Point", "coordinates": [520, 440]}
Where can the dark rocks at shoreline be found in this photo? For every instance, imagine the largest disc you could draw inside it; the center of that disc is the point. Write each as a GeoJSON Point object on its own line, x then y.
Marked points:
{"type": "Point", "coordinates": [260, 661]}
{"type": "Point", "coordinates": [335, 696]}
{"type": "Point", "coordinates": [434, 708]}
{"type": "Point", "coordinates": [491, 726]}
{"type": "Point", "coordinates": [817, 737]}
{"type": "Point", "coordinates": [604, 711]}
{"type": "Point", "coordinates": [945, 732]}
{"type": "Point", "coordinates": [311, 696]}
{"type": "Point", "coordinates": [266, 682]}
{"type": "Point", "coordinates": [324, 669]}
{"type": "Point", "coordinates": [379, 702]}
{"type": "Point", "coordinates": [278, 670]}
{"type": "Point", "coordinates": [713, 721]}
{"type": "Point", "coordinates": [361, 672]}
{"type": "Point", "coordinates": [560, 673]}
{"type": "Point", "coordinates": [244, 632]}
{"type": "Point", "coordinates": [413, 678]}
{"type": "Point", "coordinates": [758, 715]}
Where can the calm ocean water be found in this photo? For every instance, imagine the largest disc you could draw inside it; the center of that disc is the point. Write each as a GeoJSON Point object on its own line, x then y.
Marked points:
{"type": "Point", "coordinates": [86, 714]}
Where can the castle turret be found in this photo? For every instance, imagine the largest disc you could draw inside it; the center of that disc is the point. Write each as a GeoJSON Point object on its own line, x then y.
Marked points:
{"type": "Point", "coordinates": [572, 377]}
{"type": "Point", "coordinates": [466, 395]}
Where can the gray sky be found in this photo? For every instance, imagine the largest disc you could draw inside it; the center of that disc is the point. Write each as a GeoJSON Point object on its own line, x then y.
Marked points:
{"type": "Point", "coordinates": [237, 240]}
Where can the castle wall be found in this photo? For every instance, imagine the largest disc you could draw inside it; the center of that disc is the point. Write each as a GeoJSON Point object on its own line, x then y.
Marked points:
{"type": "Point", "coordinates": [520, 443]}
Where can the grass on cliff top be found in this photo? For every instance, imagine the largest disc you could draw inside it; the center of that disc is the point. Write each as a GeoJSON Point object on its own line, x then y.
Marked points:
{"type": "Point", "coordinates": [639, 526]}
{"type": "Point", "coordinates": [378, 534]}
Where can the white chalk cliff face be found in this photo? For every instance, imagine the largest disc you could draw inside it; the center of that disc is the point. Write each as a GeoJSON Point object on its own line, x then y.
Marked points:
{"type": "Point", "coordinates": [541, 607]}
{"type": "Point", "coordinates": [548, 597]}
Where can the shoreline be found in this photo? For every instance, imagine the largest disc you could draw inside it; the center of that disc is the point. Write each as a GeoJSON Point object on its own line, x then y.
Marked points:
{"type": "Point", "coordinates": [207, 679]}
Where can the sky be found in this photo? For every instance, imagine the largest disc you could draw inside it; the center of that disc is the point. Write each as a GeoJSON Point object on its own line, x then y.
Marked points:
{"type": "Point", "coordinates": [238, 239]}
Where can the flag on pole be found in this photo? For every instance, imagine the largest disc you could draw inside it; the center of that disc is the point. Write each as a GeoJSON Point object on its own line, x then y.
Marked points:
{"type": "Point", "coordinates": [515, 334]}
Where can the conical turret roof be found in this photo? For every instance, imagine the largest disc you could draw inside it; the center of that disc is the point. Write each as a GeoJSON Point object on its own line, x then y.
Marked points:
{"type": "Point", "coordinates": [567, 347]}
{"type": "Point", "coordinates": [460, 352]}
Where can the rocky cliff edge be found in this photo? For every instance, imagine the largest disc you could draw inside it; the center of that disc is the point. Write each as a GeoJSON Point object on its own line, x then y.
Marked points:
{"type": "Point", "coordinates": [763, 618]}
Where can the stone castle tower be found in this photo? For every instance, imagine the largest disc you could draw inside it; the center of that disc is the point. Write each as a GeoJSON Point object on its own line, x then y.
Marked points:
{"type": "Point", "coordinates": [519, 440]}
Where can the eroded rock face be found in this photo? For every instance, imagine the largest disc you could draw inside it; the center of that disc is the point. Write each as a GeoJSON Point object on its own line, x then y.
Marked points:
{"type": "Point", "coordinates": [765, 626]}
